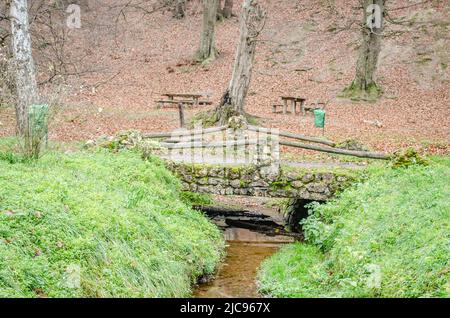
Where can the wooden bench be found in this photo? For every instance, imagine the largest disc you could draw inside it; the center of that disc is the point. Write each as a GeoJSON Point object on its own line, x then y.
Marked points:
{"type": "Point", "coordinates": [275, 106]}
{"type": "Point", "coordinates": [293, 101]}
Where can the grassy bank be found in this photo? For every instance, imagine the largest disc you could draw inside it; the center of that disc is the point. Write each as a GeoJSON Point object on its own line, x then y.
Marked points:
{"type": "Point", "coordinates": [386, 237]}
{"type": "Point", "coordinates": [99, 225]}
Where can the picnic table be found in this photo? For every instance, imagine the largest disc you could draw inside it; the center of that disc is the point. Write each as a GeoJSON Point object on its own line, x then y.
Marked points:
{"type": "Point", "coordinates": [293, 101]}
{"type": "Point", "coordinates": [183, 98]}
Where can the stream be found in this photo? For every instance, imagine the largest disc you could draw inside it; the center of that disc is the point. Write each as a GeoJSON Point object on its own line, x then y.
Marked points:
{"type": "Point", "coordinates": [250, 238]}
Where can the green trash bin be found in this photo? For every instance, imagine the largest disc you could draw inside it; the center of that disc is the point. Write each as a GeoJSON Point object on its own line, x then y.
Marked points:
{"type": "Point", "coordinates": [319, 118]}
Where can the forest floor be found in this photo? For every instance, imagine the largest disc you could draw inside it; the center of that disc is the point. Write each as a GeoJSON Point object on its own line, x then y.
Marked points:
{"type": "Point", "coordinates": [306, 49]}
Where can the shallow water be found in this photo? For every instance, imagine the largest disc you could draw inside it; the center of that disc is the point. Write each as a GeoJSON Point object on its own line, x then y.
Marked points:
{"type": "Point", "coordinates": [236, 276]}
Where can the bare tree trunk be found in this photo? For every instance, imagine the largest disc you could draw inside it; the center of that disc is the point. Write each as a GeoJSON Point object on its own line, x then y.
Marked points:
{"type": "Point", "coordinates": [23, 67]}
{"type": "Point", "coordinates": [227, 11]}
{"type": "Point", "coordinates": [251, 24]}
{"type": "Point", "coordinates": [7, 85]}
{"type": "Point", "coordinates": [180, 9]}
{"type": "Point", "coordinates": [219, 13]}
{"type": "Point", "coordinates": [207, 52]}
{"type": "Point", "coordinates": [31, 118]}
{"type": "Point", "coordinates": [364, 86]}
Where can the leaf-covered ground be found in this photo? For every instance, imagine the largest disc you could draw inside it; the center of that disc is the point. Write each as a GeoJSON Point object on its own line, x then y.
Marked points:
{"type": "Point", "coordinates": [308, 48]}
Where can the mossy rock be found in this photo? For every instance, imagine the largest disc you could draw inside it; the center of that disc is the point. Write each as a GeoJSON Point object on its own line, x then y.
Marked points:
{"type": "Point", "coordinates": [408, 157]}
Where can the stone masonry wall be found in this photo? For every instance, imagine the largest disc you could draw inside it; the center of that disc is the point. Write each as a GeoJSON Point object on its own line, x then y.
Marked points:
{"type": "Point", "coordinates": [248, 180]}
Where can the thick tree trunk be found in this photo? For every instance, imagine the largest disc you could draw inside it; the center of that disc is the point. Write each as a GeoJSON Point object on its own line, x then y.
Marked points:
{"type": "Point", "coordinates": [180, 9]}
{"type": "Point", "coordinates": [227, 11]}
{"type": "Point", "coordinates": [364, 85]}
{"type": "Point", "coordinates": [23, 66]}
{"type": "Point", "coordinates": [207, 51]}
{"type": "Point", "coordinates": [251, 23]}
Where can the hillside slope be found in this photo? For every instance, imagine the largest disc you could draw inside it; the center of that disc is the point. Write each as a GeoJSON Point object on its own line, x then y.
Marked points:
{"type": "Point", "coordinates": [99, 225]}
{"type": "Point", "coordinates": [387, 237]}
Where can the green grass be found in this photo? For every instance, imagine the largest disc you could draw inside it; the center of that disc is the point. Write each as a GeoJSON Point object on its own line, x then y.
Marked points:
{"type": "Point", "coordinates": [386, 237]}
{"type": "Point", "coordinates": [292, 272]}
{"type": "Point", "coordinates": [114, 219]}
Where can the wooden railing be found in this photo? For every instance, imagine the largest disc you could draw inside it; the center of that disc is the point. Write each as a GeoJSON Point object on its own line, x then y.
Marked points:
{"type": "Point", "coordinates": [195, 138]}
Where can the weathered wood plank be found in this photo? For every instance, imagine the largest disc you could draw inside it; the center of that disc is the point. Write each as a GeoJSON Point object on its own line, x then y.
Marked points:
{"type": "Point", "coordinates": [214, 144]}
{"type": "Point", "coordinates": [185, 132]}
{"type": "Point", "coordinates": [294, 136]}
{"type": "Point", "coordinates": [360, 154]}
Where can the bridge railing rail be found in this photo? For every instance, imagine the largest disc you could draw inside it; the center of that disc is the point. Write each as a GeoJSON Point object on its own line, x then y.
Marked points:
{"type": "Point", "coordinates": [251, 136]}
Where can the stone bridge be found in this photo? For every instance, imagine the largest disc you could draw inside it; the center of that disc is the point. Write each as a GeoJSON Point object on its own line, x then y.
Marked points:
{"type": "Point", "coordinates": [318, 182]}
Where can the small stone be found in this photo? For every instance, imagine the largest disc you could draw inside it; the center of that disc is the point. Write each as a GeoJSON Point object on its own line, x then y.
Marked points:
{"type": "Point", "coordinates": [308, 178]}
{"type": "Point", "coordinates": [317, 197]}
{"type": "Point", "coordinates": [297, 184]}
{"type": "Point", "coordinates": [217, 172]}
{"type": "Point", "coordinates": [304, 195]}
{"type": "Point", "coordinates": [259, 183]}
{"type": "Point", "coordinates": [235, 183]}
{"type": "Point", "coordinates": [258, 192]}
{"type": "Point", "coordinates": [214, 181]}
{"type": "Point", "coordinates": [316, 187]}
{"type": "Point", "coordinates": [271, 177]}
{"type": "Point", "coordinates": [284, 193]}
{"type": "Point", "coordinates": [341, 179]}
{"type": "Point", "coordinates": [291, 176]}
{"type": "Point", "coordinates": [229, 191]}
{"type": "Point", "coordinates": [327, 178]}
{"type": "Point", "coordinates": [242, 191]}
{"type": "Point", "coordinates": [202, 172]}
{"type": "Point", "coordinates": [233, 174]}
{"type": "Point", "coordinates": [204, 189]}
{"type": "Point", "coordinates": [247, 178]}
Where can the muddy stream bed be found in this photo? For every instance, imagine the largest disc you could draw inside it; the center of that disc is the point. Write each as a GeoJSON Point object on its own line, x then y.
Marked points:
{"type": "Point", "coordinates": [250, 238]}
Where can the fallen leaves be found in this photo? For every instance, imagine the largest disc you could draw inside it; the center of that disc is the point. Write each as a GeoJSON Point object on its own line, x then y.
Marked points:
{"type": "Point", "coordinates": [407, 116]}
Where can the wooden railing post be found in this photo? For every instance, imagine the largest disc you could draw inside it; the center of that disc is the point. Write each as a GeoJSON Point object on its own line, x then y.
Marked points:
{"type": "Point", "coordinates": [181, 110]}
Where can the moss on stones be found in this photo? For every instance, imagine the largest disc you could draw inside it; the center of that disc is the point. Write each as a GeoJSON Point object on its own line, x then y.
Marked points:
{"type": "Point", "coordinates": [408, 158]}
